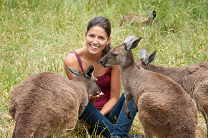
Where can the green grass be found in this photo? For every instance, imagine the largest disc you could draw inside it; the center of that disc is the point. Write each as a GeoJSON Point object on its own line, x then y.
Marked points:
{"type": "Point", "coordinates": [36, 36]}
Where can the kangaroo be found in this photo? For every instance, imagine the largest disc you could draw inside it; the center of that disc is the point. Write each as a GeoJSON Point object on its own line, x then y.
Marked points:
{"type": "Point", "coordinates": [164, 108]}
{"type": "Point", "coordinates": [136, 19]}
{"type": "Point", "coordinates": [47, 103]}
{"type": "Point", "coordinates": [193, 78]}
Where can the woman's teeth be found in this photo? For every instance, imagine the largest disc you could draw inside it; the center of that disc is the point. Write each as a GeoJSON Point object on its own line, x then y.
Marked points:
{"type": "Point", "coordinates": [94, 47]}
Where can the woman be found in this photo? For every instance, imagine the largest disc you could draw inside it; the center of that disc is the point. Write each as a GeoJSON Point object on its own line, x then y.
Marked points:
{"type": "Point", "coordinates": [105, 109]}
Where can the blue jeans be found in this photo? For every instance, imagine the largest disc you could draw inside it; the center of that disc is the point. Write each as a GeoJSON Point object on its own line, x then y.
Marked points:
{"type": "Point", "coordinates": [117, 116]}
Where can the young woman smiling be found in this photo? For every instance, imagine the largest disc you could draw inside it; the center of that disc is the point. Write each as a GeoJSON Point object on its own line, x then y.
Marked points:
{"type": "Point", "coordinates": [107, 108]}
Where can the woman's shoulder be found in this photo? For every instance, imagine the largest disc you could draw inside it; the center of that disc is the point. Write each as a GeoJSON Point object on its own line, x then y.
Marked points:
{"type": "Point", "coordinates": [71, 60]}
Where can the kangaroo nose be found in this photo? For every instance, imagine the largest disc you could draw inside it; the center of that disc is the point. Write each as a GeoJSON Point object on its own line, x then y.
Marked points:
{"type": "Point", "coordinates": [101, 62]}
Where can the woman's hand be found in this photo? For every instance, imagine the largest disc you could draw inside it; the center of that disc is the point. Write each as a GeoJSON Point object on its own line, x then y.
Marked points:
{"type": "Point", "coordinates": [94, 98]}
{"type": "Point", "coordinates": [91, 97]}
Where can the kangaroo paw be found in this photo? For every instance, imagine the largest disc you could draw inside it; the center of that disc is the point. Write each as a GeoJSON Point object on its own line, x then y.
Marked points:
{"type": "Point", "coordinates": [128, 115]}
{"type": "Point", "coordinates": [135, 107]}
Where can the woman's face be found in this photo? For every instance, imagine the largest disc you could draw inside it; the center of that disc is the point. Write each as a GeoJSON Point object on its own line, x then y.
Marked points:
{"type": "Point", "coordinates": [96, 39]}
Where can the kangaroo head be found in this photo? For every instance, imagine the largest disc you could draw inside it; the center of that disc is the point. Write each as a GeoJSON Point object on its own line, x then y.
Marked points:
{"type": "Point", "coordinates": [152, 14]}
{"type": "Point", "coordinates": [87, 77]}
{"type": "Point", "coordinates": [120, 55]}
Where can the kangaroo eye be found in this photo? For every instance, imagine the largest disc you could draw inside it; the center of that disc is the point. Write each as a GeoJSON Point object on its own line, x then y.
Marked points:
{"type": "Point", "coordinates": [114, 55]}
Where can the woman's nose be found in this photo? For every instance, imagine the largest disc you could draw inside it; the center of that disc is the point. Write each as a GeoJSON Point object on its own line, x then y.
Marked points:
{"type": "Point", "coordinates": [95, 41]}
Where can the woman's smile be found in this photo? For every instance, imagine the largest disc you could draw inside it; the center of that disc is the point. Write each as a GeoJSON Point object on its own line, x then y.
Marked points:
{"type": "Point", "coordinates": [94, 47]}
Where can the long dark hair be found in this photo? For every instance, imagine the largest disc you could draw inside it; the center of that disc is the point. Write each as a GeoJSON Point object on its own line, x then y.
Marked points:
{"type": "Point", "coordinates": [106, 25]}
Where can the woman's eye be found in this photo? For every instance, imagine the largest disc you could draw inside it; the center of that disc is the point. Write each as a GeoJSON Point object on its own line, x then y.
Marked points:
{"type": "Point", "coordinates": [102, 38]}
{"type": "Point", "coordinates": [114, 55]}
{"type": "Point", "coordinates": [91, 35]}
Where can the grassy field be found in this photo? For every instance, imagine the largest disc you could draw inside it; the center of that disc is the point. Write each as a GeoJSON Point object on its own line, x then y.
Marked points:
{"type": "Point", "coordinates": [36, 36]}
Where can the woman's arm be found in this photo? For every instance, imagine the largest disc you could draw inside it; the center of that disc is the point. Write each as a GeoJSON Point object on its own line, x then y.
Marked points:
{"type": "Point", "coordinates": [114, 91]}
{"type": "Point", "coordinates": [71, 61]}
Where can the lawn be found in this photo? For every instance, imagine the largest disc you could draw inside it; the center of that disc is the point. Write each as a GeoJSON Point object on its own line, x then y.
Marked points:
{"type": "Point", "coordinates": [36, 36]}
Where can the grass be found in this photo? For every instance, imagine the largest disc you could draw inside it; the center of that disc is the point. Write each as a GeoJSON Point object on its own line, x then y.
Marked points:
{"type": "Point", "coordinates": [36, 36]}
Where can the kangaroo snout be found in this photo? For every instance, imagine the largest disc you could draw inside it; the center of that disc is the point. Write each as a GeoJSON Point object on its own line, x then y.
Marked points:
{"type": "Point", "coordinates": [102, 63]}
{"type": "Point", "coordinates": [98, 92]}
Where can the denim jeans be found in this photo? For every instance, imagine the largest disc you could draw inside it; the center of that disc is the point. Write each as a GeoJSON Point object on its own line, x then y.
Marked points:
{"type": "Point", "coordinates": [116, 123]}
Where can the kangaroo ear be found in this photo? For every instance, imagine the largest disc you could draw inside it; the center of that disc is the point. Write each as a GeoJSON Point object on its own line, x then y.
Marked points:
{"type": "Point", "coordinates": [129, 41]}
{"type": "Point", "coordinates": [73, 71]}
{"type": "Point", "coordinates": [150, 13]}
{"type": "Point", "coordinates": [149, 58]}
{"type": "Point", "coordinates": [135, 43]}
{"type": "Point", "coordinates": [143, 53]}
{"type": "Point", "coordinates": [152, 56]}
{"type": "Point", "coordinates": [89, 71]}
{"type": "Point", "coordinates": [154, 14]}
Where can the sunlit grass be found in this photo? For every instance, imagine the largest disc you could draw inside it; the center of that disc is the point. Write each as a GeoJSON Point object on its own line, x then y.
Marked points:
{"type": "Point", "coordinates": [36, 36]}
